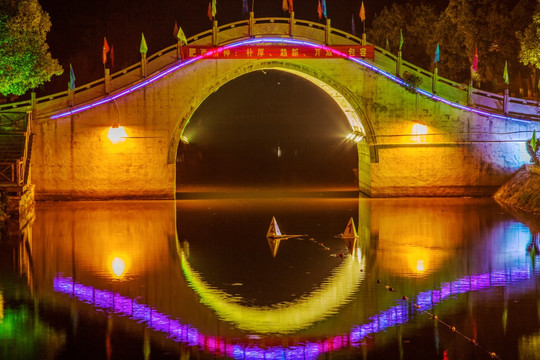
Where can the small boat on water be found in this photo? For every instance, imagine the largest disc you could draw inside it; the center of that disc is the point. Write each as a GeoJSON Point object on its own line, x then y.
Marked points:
{"type": "Point", "coordinates": [274, 236]}
{"type": "Point", "coordinates": [350, 235]}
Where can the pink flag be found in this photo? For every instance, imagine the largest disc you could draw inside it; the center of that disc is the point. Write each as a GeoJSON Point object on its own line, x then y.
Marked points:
{"type": "Point", "coordinates": [475, 59]}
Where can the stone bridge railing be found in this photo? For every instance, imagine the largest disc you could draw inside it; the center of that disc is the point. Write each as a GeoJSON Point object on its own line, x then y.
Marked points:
{"type": "Point", "coordinates": [454, 92]}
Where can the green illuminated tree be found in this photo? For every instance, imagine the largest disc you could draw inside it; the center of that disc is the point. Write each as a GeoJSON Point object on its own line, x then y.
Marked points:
{"type": "Point", "coordinates": [530, 42]}
{"type": "Point", "coordinates": [25, 61]}
{"type": "Point", "coordinates": [489, 25]}
{"type": "Point", "coordinates": [414, 21]}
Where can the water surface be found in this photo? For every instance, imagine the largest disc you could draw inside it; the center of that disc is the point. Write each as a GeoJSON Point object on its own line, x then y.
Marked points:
{"type": "Point", "coordinates": [197, 278]}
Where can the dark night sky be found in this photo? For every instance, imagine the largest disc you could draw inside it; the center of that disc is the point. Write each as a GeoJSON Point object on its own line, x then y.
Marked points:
{"type": "Point", "coordinates": [78, 27]}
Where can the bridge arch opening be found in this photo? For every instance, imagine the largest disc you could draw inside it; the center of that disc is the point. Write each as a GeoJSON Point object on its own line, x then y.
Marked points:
{"type": "Point", "coordinates": [272, 127]}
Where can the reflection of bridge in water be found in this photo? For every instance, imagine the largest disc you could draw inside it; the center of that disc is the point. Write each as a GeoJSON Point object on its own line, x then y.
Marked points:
{"type": "Point", "coordinates": [180, 305]}
{"type": "Point", "coordinates": [254, 349]}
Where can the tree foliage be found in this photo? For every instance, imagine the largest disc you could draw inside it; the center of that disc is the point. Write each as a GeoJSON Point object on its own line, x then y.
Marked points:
{"type": "Point", "coordinates": [25, 61]}
{"type": "Point", "coordinates": [529, 40]}
{"type": "Point", "coordinates": [414, 21]}
{"type": "Point", "coordinates": [491, 26]}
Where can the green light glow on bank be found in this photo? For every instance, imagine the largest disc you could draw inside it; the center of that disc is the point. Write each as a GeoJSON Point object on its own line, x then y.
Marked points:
{"type": "Point", "coordinates": [285, 317]}
{"type": "Point", "coordinates": [24, 336]}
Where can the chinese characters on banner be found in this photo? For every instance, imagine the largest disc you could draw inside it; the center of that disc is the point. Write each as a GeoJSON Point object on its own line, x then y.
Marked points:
{"type": "Point", "coordinates": [278, 51]}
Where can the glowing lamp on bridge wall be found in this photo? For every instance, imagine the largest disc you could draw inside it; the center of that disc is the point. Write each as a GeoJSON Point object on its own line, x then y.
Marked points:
{"type": "Point", "coordinates": [419, 131]}
{"type": "Point", "coordinates": [356, 135]}
{"type": "Point", "coordinates": [117, 134]}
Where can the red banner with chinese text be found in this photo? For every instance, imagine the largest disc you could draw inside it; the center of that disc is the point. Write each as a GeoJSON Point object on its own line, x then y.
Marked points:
{"type": "Point", "coordinates": [278, 51]}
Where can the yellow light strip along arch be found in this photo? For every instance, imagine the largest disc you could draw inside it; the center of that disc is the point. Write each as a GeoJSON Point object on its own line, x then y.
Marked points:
{"type": "Point", "coordinates": [284, 317]}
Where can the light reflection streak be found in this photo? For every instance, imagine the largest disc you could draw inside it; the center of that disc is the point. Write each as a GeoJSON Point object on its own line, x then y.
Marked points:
{"type": "Point", "coordinates": [286, 317]}
{"type": "Point", "coordinates": [308, 350]}
{"type": "Point", "coordinates": [209, 54]}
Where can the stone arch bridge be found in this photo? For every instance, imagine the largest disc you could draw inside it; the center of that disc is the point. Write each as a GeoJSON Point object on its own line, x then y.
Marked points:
{"type": "Point", "coordinates": [438, 138]}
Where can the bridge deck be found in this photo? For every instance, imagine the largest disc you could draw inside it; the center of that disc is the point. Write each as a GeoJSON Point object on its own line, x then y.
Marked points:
{"type": "Point", "coordinates": [455, 92]}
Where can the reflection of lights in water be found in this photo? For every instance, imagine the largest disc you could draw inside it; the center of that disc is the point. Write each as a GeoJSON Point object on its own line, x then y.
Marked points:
{"type": "Point", "coordinates": [1, 306]}
{"type": "Point", "coordinates": [118, 266]}
{"type": "Point", "coordinates": [286, 317]}
{"type": "Point", "coordinates": [420, 266]}
{"type": "Point", "coordinates": [308, 350]}
{"type": "Point", "coordinates": [117, 134]}
{"type": "Point", "coordinates": [279, 151]}
{"type": "Point", "coordinates": [529, 346]}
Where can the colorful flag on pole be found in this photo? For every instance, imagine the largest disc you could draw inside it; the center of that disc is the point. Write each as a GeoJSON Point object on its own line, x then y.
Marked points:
{"type": "Point", "coordinates": [400, 39]}
{"type": "Point", "coordinates": [71, 78]}
{"type": "Point", "coordinates": [505, 74]}
{"type": "Point", "coordinates": [175, 30]}
{"type": "Point", "coordinates": [287, 5]}
{"type": "Point", "coordinates": [475, 60]}
{"type": "Point", "coordinates": [323, 8]}
{"type": "Point", "coordinates": [533, 141]}
{"type": "Point", "coordinates": [436, 59]}
{"type": "Point", "coordinates": [245, 8]}
{"type": "Point", "coordinates": [112, 56]}
{"type": "Point", "coordinates": [143, 48]}
{"type": "Point", "coordinates": [214, 8]}
{"type": "Point", "coordinates": [319, 10]}
{"type": "Point", "coordinates": [353, 25]}
{"type": "Point", "coordinates": [210, 11]}
{"type": "Point", "coordinates": [106, 49]}
{"type": "Point", "coordinates": [181, 36]}
{"type": "Point", "coordinates": [362, 12]}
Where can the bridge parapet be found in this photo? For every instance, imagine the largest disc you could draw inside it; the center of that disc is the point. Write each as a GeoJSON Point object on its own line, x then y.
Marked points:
{"type": "Point", "coordinates": [276, 27]}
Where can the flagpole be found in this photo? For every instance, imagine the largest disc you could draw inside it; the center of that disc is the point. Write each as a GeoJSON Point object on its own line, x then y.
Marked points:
{"type": "Point", "coordinates": [364, 32]}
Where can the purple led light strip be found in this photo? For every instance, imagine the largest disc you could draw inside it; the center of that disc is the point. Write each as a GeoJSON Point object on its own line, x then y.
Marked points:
{"type": "Point", "coordinates": [210, 53]}
{"type": "Point", "coordinates": [395, 315]}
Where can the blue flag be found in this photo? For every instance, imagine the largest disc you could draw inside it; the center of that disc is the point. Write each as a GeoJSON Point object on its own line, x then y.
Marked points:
{"type": "Point", "coordinates": [436, 60]}
{"type": "Point", "coordinates": [323, 7]}
{"type": "Point", "coordinates": [353, 25]}
{"type": "Point", "coordinates": [245, 9]}
{"type": "Point", "coordinates": [71, 78]}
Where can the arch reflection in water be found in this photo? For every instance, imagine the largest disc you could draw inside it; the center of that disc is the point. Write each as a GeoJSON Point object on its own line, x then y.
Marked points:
{"type": "Point", "coordinates": [285, 317]}
{"type": "Point", "coordinates": [395, 315]}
